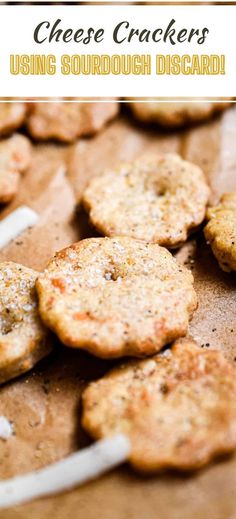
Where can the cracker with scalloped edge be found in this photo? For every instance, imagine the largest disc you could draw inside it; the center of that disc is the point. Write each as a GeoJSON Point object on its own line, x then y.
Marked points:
{"type": "Point", "coordinates": [67, 121]}
{"type": "Point", "coordinates": [116, 297]}
{"type": "Point", "coordinates": [159, 199]}
{"type": "Point", "coordinates": [172, 115]}
{"type": "Point", "coordinates": [177, 408]}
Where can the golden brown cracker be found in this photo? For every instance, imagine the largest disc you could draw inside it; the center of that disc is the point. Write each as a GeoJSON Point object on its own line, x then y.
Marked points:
{"type": "Point", "coordinates": [12, 116]}
{"type": "Point", "coordinates": [67, 121]}
{"type": "Point", "coordinates": [116, 296]}
{"type": "Point", "coordinates": [220, 231]}
{"type": "Point", "coordinates": [173, 114]}
{"type": "Point", "coordinates": [23, 337]}
{"type": "Point", "coordinates": [178, 408]}
{"type": "Point", "coordinates": [158, 199]}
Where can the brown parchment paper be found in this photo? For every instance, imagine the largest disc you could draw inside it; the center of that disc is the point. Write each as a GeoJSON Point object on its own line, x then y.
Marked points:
{"type": "Point", "coordinates": [44, 405]}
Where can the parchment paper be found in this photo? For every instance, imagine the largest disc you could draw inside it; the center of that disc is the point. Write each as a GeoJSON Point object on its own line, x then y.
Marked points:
{"type": "Point", "coordinates": [44, 405]}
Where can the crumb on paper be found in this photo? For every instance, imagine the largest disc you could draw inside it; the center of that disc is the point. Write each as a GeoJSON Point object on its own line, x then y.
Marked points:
{"type": "Point", "coordinates": [6, 429]}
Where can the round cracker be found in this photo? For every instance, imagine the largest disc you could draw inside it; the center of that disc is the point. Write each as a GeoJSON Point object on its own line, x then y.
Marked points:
{"type": "Point", "coordinates": [220, 231]}
{"type": "Point", "coordinates": [116, 297]}
{"type": "Point", "coordinates": [23, 337]}
{"type": "Point", "coordinates": [177, 408]}
{"type": "Point", "coordinates": [15, 155]}
{"type": "Point", "coordinates": [172, 115]}
{"type": "Point", "coordinates": [158, 199]}
{"type": "Point", "coordinates": [67, 121]}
